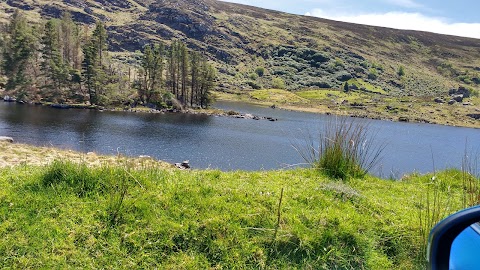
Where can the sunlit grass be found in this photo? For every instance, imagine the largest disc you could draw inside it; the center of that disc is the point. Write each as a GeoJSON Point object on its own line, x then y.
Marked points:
{"type": "Point", "coordinates": [277, 96]}
{"type": "Point", "coordinates": [75, 215]}
{"type": "Point", "coordinates": [329, 94]}
{"type": "Point", "coordinates": [360, 83]}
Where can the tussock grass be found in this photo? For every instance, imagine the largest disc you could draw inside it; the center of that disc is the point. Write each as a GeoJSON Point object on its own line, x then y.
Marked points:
{"type": "Point", "coordinates": [346, 149]}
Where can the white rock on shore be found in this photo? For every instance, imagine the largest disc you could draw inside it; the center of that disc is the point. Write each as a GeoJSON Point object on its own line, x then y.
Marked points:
{"type": "Point", "coordinates": [6, 139]}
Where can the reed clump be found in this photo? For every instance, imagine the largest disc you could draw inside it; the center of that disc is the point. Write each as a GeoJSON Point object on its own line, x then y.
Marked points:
{"type": "Point", "coordinates": [345, 149]}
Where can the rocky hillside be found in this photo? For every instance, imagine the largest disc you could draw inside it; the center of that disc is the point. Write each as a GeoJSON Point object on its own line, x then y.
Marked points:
{"type": "Point", "coordinates": [257, 48]}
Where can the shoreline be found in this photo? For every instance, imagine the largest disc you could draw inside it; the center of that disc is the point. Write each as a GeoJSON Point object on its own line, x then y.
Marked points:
{"type": "Point", "coordinates": [360, 112]}
{"type": "Point", "coordinates": [328, 110]}
{"type": "Point", "coordinates": [14, 154]}
{"type": "Point", "coordinates": [142, 109]}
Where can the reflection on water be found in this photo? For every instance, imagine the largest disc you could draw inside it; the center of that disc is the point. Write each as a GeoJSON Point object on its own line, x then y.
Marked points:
{"type": "Point", "coordinates": [222, 142]}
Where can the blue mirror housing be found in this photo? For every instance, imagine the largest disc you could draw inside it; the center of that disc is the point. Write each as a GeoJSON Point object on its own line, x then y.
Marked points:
{"type": "Point", "coordinates": [444, 233]}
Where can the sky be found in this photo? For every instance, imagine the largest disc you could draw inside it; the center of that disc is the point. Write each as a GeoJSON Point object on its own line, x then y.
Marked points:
{"type": "Point", "coordinates": [451, 17]}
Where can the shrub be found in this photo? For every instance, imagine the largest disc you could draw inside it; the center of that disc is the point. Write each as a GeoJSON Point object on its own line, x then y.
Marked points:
{"type": "Point", "coordinates": [346, 87]}
{"type": "Point", "coordinates": [260, 71]}
{"type": "Point", "coordinates": [372, 74]}
{"type": "Point", "coordinates": [377, 66]}
{"type": "Point", "coordinates": [253, 76]}
{"type": "Point", "coordinates": [346, 149]}
{"type": "Point", "coordinates": [474, 93]}
{"type": "Point", "coordinates": [254, 85]}
{"type": "Point", "coordinates": [278, 83]}
{"type": "Point", "coordinates": [401, 71]}
{"type": "Point", "coordinates": [338, 62]}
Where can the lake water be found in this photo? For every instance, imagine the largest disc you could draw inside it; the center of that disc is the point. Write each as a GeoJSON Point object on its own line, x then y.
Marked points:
{"type": "Point", "coordinates": [227, 143]}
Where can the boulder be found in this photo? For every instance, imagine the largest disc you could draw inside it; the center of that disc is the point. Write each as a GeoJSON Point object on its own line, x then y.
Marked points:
{"type": "Point", "coordinates": [6, 139]}
{"type": "Point", "coordinates": [451, 102]}
{"type": "Point", "coordinates": [184, 165]}
{"type": "Point", "coordinates": [439, 100]}
{"type": "Point", "coordinates": [9, 99]}
{"type": "Point", "coordinates": [271, 119]}
{"type": "Point", "coordinates": [458, 98]}
{"type": "Point", "coordinates": [460, 91]}
{"type": "Point", "coordinates": [475, 116]}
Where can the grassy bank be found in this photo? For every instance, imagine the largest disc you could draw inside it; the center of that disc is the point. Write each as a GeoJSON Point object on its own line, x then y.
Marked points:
{"type": "Point", "coordinates": [122, 215]}
{"type": "Point", "coordinates": [22, 154]}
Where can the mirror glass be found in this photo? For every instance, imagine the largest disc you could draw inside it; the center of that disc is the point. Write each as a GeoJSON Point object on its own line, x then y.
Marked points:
{"type": "Point", "coordinates": [465, 251]}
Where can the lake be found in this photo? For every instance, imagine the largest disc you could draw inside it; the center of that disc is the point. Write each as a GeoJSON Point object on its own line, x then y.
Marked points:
{"type": "Point", "coordinates": [228, 143]}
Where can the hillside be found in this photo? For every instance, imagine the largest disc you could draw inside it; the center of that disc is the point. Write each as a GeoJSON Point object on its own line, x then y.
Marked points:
{"type": "Point", "coordinates": [254, 48]}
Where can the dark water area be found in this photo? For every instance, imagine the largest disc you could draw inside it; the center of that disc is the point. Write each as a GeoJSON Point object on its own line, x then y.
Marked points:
{"type": "Point", "coordinates": [227, 143]}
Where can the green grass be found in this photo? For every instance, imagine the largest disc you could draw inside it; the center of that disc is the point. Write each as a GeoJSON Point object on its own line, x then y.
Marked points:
{"type": "Point", "coordinates": [277, 96]}
{"type": "Point", "coordinates": [360, 83]}
{"type": "Point", "coordinates": [71, 216]}
{"type": "Point", "coordinates": [328, 94]}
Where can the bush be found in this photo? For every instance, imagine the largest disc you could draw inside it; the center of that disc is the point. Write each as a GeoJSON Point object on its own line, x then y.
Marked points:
{"type": "Point", "coordinates": [253, 76]}
{"type": "Point", "coordinates": [278, 83]}
{"type": "Point", "coordinates": [339, 62]}
{"type": "Point", "coordinates": [401, 71]}
{"type": "Point", "coordinates": [254, 85]}
{"type": "Point", "coordinates": [346, 149]}
{"type": "Point", "coordinates": [372, 74]}
{"type": "Point", "coordinates": [260, 71]}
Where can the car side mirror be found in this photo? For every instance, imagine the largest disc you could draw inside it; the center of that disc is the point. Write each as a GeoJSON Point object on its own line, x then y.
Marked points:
{"type": "Point", "coordinates": [456, 229]}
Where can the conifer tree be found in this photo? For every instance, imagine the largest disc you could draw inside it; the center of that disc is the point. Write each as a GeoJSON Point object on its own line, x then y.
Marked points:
{"type": "Point", "coordinates": [93, 63]}
{"type": "Point", "coordinates": [194, 76]}
{"type": "Point", "coordinates": [18, 50]}
{"type": "Point", "coordinates": [54, 68]}
{"type": "Point", "coordinates": [207, 83]}
{"type": "Point", "coordinates": [183, 71]}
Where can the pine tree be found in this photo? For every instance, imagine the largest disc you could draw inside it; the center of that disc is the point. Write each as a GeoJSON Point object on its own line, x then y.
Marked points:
{"type": "Point", "coordinates": [152, 84]}
{"type": "Point", "coordinates": [158, 70]}
{"type": "Point", "coordinates": [54, 68]}
{"type": "Point", "coordinates": [189, 78]}
{"type": "Point", "coordinates": [183, 68]}
{"type": "Point", "coordinates": [93, 63]}
{"type": "Point", "coordinates": [90, 71]}
{"type": "Point", "coordinates": [18, 50]}
{"type": "Point", "coordinates": [207, 83]}
{"type": "Point", "coordinates": [194, 77]}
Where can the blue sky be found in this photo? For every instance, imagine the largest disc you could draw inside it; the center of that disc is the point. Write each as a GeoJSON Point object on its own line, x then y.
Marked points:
{"type": "Point", "coordinates": [454, 17]}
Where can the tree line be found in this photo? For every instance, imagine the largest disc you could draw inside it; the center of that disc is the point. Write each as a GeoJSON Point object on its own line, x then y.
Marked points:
{"type": "Point", "coordinates": [62, 62]}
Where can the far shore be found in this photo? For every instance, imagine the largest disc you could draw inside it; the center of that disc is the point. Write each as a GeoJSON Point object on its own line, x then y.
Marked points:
{"type": "Point", "coordinates": [374, 113]}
